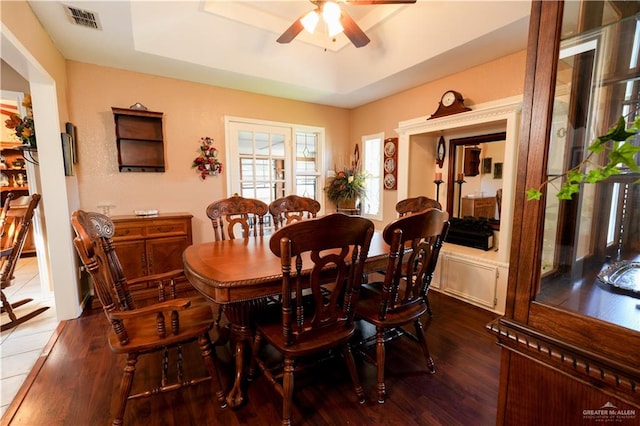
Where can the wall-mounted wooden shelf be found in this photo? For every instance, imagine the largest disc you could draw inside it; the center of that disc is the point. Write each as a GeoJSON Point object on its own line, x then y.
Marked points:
{"type": "Point", "coordinates": [140, 140]}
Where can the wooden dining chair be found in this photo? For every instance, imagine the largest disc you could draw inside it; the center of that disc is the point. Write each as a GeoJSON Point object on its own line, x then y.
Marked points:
{"type": "Point", "coordinates": [402, 298]}
{"type": "Point", "coordinates": [336, 245]}
{"type": "Point", "coordinates": [233, 212]}
{"type": "Point", "coordinates": [15, 220]}
{"type": "Point", "coordinates": [292, 208]}
{"type": "Point", "coordinates": [416, 204]}
{"type": "Point", "coordinates": [159, 327]}
{"type": "Point", "coordinates": [237, 211]}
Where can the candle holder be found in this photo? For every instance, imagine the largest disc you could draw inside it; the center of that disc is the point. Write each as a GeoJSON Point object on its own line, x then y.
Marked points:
{"type": "Point", "coordinates": [438, 182]}
{"type": "Point", "coordinates": [460, 182]}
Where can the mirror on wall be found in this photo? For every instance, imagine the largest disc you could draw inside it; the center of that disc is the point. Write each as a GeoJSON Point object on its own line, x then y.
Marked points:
{"type": "Point", "coordinates": [475, 176]}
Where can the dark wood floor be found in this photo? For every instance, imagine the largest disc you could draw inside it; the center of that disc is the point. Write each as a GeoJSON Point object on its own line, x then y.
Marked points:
{"type": "Point", "coordinates": [76, 381]}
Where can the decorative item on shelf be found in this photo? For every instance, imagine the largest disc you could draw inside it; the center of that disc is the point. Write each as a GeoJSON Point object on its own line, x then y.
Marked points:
{"type": "Point", "coordinates": [450, 103]}
{"type": "Point", "coordinates": [24, 126]}
{"type": "Point", "coordinates": [19, 180]}
{"type": "Point", "coordinates": [207, 163]}
{"type": "Point", "coordinates": [347, 187]}
{"type": "Point", "coordinates": [139, 107]}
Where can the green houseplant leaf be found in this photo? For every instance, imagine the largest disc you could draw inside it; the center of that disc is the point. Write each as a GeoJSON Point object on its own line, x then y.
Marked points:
{"type": "Point", "coordinates": [619, 151]}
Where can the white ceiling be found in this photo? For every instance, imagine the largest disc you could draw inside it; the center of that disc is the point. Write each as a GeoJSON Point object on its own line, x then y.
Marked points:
{"type": "Point", "coordinates": [233, 43]}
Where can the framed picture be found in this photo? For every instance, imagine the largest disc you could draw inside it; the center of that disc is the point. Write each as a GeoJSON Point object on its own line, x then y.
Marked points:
{"type": "Point", "coordinates": [497, 171]}
{"type": "Point", "coordinates": [71, 131]}
{"type": "Point", "coordinates": [67, 153]}
{"type": "Point", "coordinates": [486, 166]}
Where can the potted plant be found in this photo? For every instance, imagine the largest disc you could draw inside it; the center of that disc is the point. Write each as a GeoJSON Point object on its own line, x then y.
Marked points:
{"type": "Point", "coordinates": [347, 187]}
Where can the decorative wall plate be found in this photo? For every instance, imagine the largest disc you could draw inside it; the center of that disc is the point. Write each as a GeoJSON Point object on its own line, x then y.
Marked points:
{"type": "Point", "coordinates": [389, 165]}
{"type": "Point", "coordinates": [389, 149]}
{"type": "Point", "coordinates": [389, 181]}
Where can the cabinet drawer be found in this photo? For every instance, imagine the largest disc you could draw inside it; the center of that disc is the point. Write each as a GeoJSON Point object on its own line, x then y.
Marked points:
{"type": "Point", "coordinates": [165, 228]}
{"type": "Point", "coordinates": [485, 202]}
{"type": "Point", "coordinates": [128, 230]}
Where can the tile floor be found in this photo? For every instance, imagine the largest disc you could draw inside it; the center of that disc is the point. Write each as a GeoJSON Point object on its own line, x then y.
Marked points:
{"type": "Point", "coordinates": [21, 346]}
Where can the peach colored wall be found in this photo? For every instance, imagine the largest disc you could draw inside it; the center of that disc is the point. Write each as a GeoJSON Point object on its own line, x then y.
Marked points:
{"type": "Point", "coordinates": [494, 80]}
{"type": "Point", "coordinates": [191, 111]}
{"type": "Point", "coordinates": [21, 21]}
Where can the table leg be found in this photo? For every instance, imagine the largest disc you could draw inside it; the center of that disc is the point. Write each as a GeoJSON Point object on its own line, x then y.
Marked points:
{"type": "Point", "coordinates": [240, 316]}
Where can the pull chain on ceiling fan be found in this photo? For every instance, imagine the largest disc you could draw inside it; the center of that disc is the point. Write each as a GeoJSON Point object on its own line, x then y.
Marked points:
{"type": "Point", "coordinates": [336, 19]}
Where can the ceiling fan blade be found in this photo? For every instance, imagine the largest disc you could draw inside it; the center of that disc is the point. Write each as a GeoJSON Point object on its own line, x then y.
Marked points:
{"type": "Point", "coordinates": [353, 31]}
{"type": "Point", "coordinates": [291, 32]}
{"type": "Point", "coordinates": [369, 2]}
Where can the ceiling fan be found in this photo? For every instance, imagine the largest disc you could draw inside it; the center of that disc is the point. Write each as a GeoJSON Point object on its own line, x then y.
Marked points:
{"type": "Point", "coordinates": [337, 20]}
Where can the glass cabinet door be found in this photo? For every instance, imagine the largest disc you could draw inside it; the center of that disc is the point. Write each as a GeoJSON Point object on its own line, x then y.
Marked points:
{"type": "Point", "coordinates": [590, 261]}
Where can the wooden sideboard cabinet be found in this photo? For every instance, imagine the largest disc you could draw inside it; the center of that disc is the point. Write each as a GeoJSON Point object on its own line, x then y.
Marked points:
{"type": "Point", "coordinates": [150, 245]}
{"type": "Point", "coordinates": [479, 207]}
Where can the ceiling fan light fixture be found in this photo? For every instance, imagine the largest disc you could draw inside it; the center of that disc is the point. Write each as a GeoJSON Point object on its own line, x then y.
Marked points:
{"type": "Point", "coordinates": [310, 21]}
{"type": "Point", "coordinates": [334, 28]}
{"type": "Point", "coordinates": [331, 12]}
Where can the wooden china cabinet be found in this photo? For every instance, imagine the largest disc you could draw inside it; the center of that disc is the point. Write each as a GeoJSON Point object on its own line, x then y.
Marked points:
{"type": "Point", "coordinates": [571, 330]}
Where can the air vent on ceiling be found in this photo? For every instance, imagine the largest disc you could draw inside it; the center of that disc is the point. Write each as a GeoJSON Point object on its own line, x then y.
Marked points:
{"type": "Point", "coordinates": [83, 17]}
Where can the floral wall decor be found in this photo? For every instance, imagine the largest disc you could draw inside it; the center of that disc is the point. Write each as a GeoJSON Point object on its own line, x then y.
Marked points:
{"type": "Point", "coordinates": [207, 163]}
{"type": "Point", "coordinates": [23, 126]}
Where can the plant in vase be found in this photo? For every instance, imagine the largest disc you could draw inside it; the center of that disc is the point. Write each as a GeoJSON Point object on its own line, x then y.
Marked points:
{"type": "Point", "coordinates": [24, 127]}
{"type": "Point", "coordinates": [347, 187]}
{"type": "Point", "coordinates": [207, 163]}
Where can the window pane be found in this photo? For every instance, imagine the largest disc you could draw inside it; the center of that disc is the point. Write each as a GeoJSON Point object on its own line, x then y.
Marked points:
{"type": "Point", "coordinates": [277, 145]}
{"type": "Point", "coordinates": [245, 142]}
{"type": "Point", "coordinates": [262, 143]}
{"type": "Point", "coordinates": [306, 151]}
{"type": "Point", "coordinates": [306, 186]}
{"type": "Point", "coordinates": [372, 203]}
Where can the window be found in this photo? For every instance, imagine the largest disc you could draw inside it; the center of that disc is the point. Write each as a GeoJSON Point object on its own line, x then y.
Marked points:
{"type": "Point", "coordinates": [372, 166]}
{"type": "Point", "coordinates": [269, 160]}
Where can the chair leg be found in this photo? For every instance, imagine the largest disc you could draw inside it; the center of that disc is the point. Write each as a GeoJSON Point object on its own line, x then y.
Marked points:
{"type": "Point", "coordinates": [208, 355]}
{"type": "Point", "coordinates": [426, 300]}
{"type": "Point", "coordinates": [423, 344]}
{"type": "Point", "coordinates": [380, 361]}
{"type": "Point", "coordinates": [351, 365]}
{"type": "Point", "coordinates": [287, 391]}
{"type": "Point", "coordinates": [14, 320]}
{"type": "Point", "coordinates": [125, 388]}
{"type": "Point", "coordinates": [257, 341]}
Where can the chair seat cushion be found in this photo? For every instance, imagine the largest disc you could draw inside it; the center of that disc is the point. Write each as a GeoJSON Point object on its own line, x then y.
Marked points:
{"type": "Point", "coordinates": [311, 342]}
{"type": "Point", "coordinates": [142, 332]}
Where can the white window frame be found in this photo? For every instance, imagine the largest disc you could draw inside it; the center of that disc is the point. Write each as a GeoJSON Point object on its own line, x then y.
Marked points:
{"type": "Point", "coordinates": [231, 154]}
{"type": "Point", "coordinates": [378, 172]}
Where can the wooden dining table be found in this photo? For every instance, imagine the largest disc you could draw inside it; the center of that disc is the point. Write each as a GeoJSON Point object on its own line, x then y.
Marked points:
{"type": "Point", "coordinates": [241, 274]}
